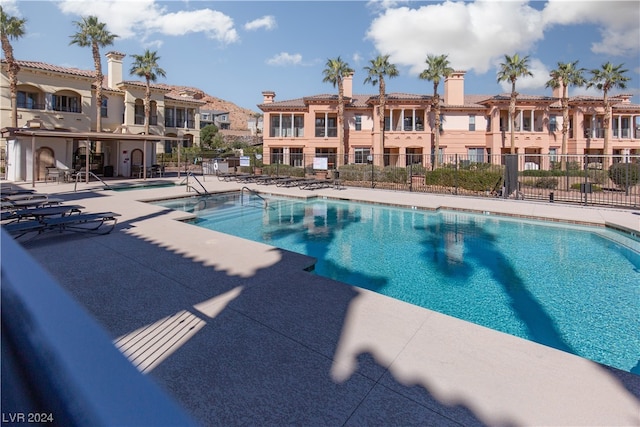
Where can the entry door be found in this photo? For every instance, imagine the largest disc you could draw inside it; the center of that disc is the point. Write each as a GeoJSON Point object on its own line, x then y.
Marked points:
{"type": "Point", "coordinates": [44, 159]}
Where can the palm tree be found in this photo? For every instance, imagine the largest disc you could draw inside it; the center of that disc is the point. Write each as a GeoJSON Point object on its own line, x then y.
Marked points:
{"type": "Point", "coordinates": [146, 65]}
{"type": "Point", "coordinates": [567, 74]}
{"type": "Point", "coordinates": [511, 69]}
{"type": "Point", "coordinates": [11, 28]}
{"type": "Point", "coordinates": [438, 67]}
{"type": "Point", "coordinates": [608, 77]}
{"type": "Point", "coordinates": [376, 70]}
{"type": "Point", "coordinates": [93, 33]}
{"type": "Point", "coordinates": [335, 73]}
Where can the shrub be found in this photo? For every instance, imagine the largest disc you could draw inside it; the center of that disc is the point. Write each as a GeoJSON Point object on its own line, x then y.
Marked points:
{"type": "Point", "coordinates": [595, 188]}
{"type": "Point", "coordinates": [474, 180]}
{"type": "Point", "coordinates": [625, 175]}
{"type": "Point", "coordinates": [546, 182]}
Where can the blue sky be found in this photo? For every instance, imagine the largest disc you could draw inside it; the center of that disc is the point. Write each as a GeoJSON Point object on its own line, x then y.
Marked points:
{"type": "Point", "coordinates": [234, 50]}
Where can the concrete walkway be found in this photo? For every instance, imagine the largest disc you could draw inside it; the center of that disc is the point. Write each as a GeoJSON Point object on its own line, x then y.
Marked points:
{"type": "Point", "coordinates": [240, 334]}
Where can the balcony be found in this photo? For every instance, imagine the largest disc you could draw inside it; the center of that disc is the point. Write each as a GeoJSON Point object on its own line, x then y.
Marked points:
{"type": "Point", "coordinates": [31, 105]}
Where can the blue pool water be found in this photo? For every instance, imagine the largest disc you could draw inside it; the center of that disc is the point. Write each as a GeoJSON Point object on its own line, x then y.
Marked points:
{"type": "Point", "coordinates": [573, 288]}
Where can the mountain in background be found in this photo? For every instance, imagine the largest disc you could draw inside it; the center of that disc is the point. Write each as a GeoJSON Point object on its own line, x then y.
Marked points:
{"type": "Point", "coordinates": [238, 116]}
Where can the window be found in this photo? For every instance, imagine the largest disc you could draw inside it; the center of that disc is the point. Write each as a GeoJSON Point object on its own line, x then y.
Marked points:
{"type": "Point", "coordinates": [138, 113]}
{"type": "Point", "coordinates": [103, 107]}
{"type": "Point", "coordinates": [298, 126]}
{"type": "Point", "coordinates": [169, 118]}
{"type": "Point", "coordinates": [277, 155]}
{"type": "Point", "coordinates": [553, 154]}
{"type": "Point", "coordinates": [552, 123]}
{"type": "Point", "coordinates": [362, 155]}
{"type": "Point", "coordinates": [414, 156]}
{"type": "Point", "coordinates": [286, 126]}
{"type": "Point", "coordinates": [66, 103]}
{"type": "Point", "coordinates": [408, 124]}
{"type": "Point", "coordinates": [181, 119]}
{"type": "Point", "coordinates": [476, 155]}
{"type": "Point", "coordinates": [28, 100]}
{"type": "Point", "coordinates": [326, 125]}
{"type": "Point", "coordinates": [358, 122]}
{"type": "Point", "coordinates": [472, 123]}
{"type": "Point", "coordinates": [488, 118]}
{"type": "Point", "coordinates": [296, 157]}
{"type": "Point", "coordinates": [153, 113]}
{"type": "Point", "coordinates": [274, 129]}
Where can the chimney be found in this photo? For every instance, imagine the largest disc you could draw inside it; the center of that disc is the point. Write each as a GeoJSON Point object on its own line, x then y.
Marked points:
{"type": "Point", "coordinates": [454, 88]}
{"type": "Point", "coordinates": [114, 68]}
{"type": "Point", "coordinates": [347, 85]}
{"type": "Point", "coordinates": [558, 91]}
{"type": "Point", "coordinates": [268, 96]}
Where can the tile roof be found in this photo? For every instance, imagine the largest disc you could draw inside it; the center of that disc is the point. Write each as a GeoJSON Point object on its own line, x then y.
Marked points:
{"type": "Point", "coordinates": [56, 69]}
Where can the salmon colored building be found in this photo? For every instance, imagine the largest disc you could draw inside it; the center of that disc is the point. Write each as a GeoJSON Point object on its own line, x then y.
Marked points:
{"type": "Point", "coordinates": [473, 127]}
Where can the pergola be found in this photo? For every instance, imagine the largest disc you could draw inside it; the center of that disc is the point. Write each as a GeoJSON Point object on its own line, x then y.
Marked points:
{"type": "Point", "coordinates": [87, 138]}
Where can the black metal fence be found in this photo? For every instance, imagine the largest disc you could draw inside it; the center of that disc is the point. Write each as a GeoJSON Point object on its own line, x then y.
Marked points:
{"type": "Point", "coordinates": [584, 179]}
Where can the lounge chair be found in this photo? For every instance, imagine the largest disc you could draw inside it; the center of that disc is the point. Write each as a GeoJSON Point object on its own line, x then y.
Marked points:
{"type": "Point", "coordinates": [40, 213]}
{"type": "Point", "coordinates": [315, 184]}
{"type": "Point", "coordinates": [291, 182]}
{"type": "Point", "coordinates": [96, 223]}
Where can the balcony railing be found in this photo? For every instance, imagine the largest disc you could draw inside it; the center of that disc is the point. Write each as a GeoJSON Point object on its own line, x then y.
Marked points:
{"type": "Point", "coordinates": [68, 109]}
{"type": "Point", "coordinates": [332, 132]}
{"type": "Point", "coordinates": [31, 106]}
{"type": "Point", "coordinates": [172, 123]}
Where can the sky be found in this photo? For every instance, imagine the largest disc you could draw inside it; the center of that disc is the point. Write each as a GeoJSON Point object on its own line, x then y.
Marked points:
{"type": "Point", "coordinates": [235, 50]}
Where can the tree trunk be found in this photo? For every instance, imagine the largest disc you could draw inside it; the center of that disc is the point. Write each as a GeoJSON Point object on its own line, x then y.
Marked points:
{"type": "Point", "coordinates": [565, 128]}
{"type": "Point", "coordinates": [436, 122]}
{"type": "Point", "coordinates": [341, 145]}
{"type": "Point", "coordinates": [512, 115]}
{"type": "Point", "coordinates": [606, 124]}
{"type": "Point", "coordinates": [381, 111]}
{"type": "Point", "coordinates": [12, 71]}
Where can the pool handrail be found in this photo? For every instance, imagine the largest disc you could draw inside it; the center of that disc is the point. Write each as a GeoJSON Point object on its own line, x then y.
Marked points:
{"type": "Point", "coordinates": [255, 193]}
{"type": "Point", "coordinates": [186, 180]}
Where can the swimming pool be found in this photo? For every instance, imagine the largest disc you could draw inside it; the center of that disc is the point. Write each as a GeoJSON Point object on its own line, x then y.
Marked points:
{"type": "Point", "coordinates": [570, 287]}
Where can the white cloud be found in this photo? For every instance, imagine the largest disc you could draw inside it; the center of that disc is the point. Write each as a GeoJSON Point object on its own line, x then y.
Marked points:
{"type": "Point", "coordinates": [477, 35]}
{"type": "Point", "coordinates": [618, 22]}
{"type": "Point", "coordinates": [215, 25]}
{"type": "Point", "coordinates": [285, 58]}
{"type": "Point", "coordinates": [10, 7]}
{"type": "Point", "coordinates": [267, 22]}
{"type": "Point", "coordinates": [142, 18]}
{"type": "Point", "coordinates": [472, 34]}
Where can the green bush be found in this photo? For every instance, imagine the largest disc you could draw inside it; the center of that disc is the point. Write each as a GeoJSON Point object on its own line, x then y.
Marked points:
{"type": "Point", "coordinates": [474, 180]}
{"type": "Point", "coordinates": [594, 187]}
{"type": "Point", "coordinates": [546, 182]}
{"type": "Point", "coordinates": [625, 175]}
{"type": "Point", "coordinates": [393, 174]}
{"type": "Point", "coordinates": [282, 170]}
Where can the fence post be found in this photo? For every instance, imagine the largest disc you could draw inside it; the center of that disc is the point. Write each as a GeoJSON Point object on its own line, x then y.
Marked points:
{"type": "Point", "coordinates": [455, 174]}
{"type": "Point", "coordinates": [372, 171]}
{"type": "Point", "coordinates": [411, 175]}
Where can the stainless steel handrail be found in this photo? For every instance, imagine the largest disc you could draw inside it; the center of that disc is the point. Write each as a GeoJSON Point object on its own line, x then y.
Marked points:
{"type": "Point", "coordinates": [255, 193]}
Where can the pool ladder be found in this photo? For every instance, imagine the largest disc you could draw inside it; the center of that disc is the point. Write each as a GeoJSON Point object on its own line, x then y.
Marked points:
{"type": "Point", "coordinates": [191, 187]}
{"type": "Point", "coordinates": [255, 193]}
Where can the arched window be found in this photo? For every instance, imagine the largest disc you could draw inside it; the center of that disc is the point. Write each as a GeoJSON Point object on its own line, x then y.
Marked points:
{"type": "Point", "coordinates": [67, 101]}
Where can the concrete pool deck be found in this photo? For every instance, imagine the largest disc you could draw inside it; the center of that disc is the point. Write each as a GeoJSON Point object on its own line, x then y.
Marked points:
{"type": "Point", "coordinates": [263, 342]}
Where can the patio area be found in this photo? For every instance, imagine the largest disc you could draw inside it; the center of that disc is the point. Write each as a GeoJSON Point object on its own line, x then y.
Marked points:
{"type": "Point", "coordinates": [239, 333]}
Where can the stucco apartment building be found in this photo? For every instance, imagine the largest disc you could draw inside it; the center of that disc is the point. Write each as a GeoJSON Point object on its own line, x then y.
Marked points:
{"type": "Point", "coordinates": [60, 99]}
{"type": "Point", "coordinates": [474, 127]}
